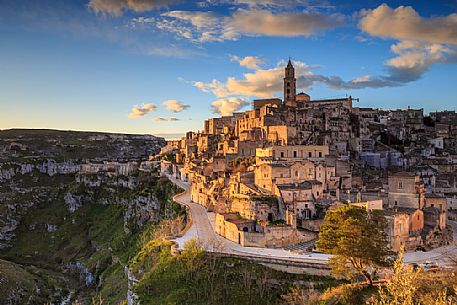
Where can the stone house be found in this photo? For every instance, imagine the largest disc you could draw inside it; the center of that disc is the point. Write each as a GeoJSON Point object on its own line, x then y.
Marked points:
{"type": "Point", "coordinates": [255, 207]}
{"type": "Point", "coordinates": [404, 228]}
{"type": "Point", "coordinates": [248, 234]}
{"type": "Point", "coordinates": [299, 200]}
{"type": "Point", "coordinates": [406, 190]}
{"type": "Point", "coordinates": [438, 217]}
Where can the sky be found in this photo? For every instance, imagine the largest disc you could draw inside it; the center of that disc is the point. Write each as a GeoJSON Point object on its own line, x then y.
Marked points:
{"type": "Point", "coordinates": [164, 66]}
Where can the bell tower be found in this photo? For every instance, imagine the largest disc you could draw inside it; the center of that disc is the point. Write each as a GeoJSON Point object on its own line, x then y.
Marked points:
{"type": "Point", "coordinates": [289, 84]}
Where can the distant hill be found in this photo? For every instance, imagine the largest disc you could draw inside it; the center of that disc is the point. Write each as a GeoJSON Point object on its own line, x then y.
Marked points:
{"type": "Point", "coordinates": [64, 145]}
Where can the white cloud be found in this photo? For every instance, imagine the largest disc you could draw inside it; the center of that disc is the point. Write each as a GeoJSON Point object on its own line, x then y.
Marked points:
{"type": "Point", "coordinates": [198, 26]}
{"type": "Point", "coordinates": [415, 58]}
{"type": "Point", "coordinates": [139, 111]}
{"type": "Point", "coordinates": [193, 26]}
{"type": "Point", "coordinates": [158, 120]}
{"type": "Point", "coordinates": [250, 62]}
{"type": "Point", "coordinates": [227, 106]}
{"type": "Point", "coordinates": [404, 23]}
{"type": "Point", "coordinates": [175, 106]}
{"type": "Point", "coordinates": [263, 22]}
{"type": "Point", "coordinates": [117, 7]}
{"type": "Point", "coordinates": [423, 42]}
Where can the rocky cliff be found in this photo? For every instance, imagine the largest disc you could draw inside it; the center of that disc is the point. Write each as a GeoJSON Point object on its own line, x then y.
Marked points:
{"type": "Point", "coordinates": [71, 234]}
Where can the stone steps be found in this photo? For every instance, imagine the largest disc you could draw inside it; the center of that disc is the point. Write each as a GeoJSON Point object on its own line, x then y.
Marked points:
{"type": "Point", "coordinates": [302, 247]}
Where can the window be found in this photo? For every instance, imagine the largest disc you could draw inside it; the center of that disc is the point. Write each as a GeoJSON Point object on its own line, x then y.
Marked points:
{"type": "Point", "coordinates": [296, 173]}
{"type": "Point", "coordinates": [295, 154]}
{"type": "Point", "coordinates": [309, 154]}
{"type": "Point", "coordinates": [396, 202]}
{"type": "Point", "coordinates": [400, 185]}
{"type": "Point", "coordinates": [320, 154]}
{"type": "Point", "coordinates": [282, 154]}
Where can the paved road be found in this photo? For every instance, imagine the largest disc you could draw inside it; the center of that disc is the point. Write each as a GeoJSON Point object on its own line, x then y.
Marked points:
{"type": "Point", "coordinates": [203, 229]}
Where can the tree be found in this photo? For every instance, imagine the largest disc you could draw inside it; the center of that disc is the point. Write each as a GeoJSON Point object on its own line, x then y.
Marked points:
{"type": "Point", "coordinates": [192, 256]}
{"type": "Point", "coordinates": [357, 240]}
{"type": "Point", "coordinates": [400, 289]}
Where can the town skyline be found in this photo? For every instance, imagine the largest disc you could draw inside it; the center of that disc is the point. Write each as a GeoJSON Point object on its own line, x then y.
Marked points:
{"type": "Point", "coordinates": [164, 68]}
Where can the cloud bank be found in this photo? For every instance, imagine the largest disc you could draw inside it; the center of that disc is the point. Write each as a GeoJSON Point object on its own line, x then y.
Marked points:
{"type": "Point", "coordinates": [404, 23]}
{"type": "Point", "coordinates": [117, 7]}
{"type": "Point", "coordinates": [423, 42]}
{"type": "Point", "coordinates": [199, 26]}
{"type": "Point", "coordinates": [264, 83]}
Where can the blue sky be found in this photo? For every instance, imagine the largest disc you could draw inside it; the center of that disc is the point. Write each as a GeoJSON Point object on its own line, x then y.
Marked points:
{"type": "Point", "coordinates": [109, 65]}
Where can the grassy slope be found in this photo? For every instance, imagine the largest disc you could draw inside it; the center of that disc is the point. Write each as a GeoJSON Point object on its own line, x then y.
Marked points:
{"type": "Point", "coordinates": [86, 235]}
{"type": "Point", "coordinates": [94, 234]}
{"type": "Point", "coordinates": [200, 278]}
{"type": "Point", "coordinates": [21, 282]}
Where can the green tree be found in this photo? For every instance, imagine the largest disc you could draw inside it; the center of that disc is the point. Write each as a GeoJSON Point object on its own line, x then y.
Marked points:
{"type": "Point", "coordinates": [357, 240]}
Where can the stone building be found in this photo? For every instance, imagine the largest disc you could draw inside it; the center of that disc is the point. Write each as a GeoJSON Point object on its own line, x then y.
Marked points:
{"type": "Point", "coordinates": [406, 190]}
{"type": "Point", "coordinates": [404, 229]}
{"type": "Point", "coordinates": [248, 234]}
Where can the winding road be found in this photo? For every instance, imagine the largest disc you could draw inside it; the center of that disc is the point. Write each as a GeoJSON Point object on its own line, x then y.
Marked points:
{"type": "Point", "coordinates": [202, 228]}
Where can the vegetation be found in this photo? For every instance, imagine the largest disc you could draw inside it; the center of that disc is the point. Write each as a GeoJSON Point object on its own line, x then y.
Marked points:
{"type": "Point", "coordinates": [358, 241]}
{"type": "Point", "coordinates": [50, 238]}
{"type": "Point", "coordinates": [409, 286]}
{"type": "Point", "coordinates": [196, 277]}
{"type": "Point", "coordinates": [25, 280]}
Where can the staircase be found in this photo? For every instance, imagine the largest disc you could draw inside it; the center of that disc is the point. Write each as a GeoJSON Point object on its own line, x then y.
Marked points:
{"type": "Point", "coordinates": [302, 247]}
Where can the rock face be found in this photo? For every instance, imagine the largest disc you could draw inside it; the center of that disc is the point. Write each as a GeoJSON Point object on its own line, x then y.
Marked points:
{"type": "Point", "coordinates": [98, 180]}
{"type": "Point", "coordinates": [14, 205]}
{"type": "Point", "coordinates": [81, 270]}
{"type": "Point", "coordinates": [72, 201]}
{"type": "Point", "coordinates": [36, 164]}
{"type": "Point", "coordinates": [48, 167]}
